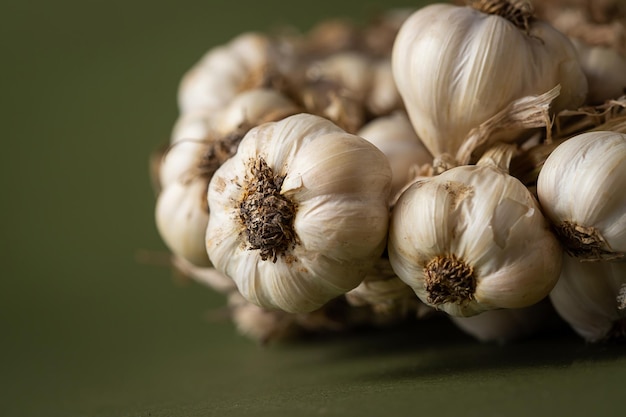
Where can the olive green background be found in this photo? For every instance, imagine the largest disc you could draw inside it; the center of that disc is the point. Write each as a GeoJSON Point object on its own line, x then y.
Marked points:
{"type": "Point", "coordinates": [90, 326]}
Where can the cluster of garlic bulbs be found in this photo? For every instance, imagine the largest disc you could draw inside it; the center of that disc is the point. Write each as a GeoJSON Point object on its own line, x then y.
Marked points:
{"type": "Point", "coordinates": [442, 161]}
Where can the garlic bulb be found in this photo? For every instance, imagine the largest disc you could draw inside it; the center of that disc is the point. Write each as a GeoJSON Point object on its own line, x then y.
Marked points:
{"type": "Point", "coordinates": [395, 137]}
{"type": "Point", "coordinates": [456, 67]}
{"type": "Point", "coordinates": [581, 190]}
{"type": "Point", "coordinates": [473, 239]}
{"type": "Point", "coordinates": [288, 212]}
{"type": "Point", "coordinates": [591, 297]}
{"type": "Point", "coordinates": [247, 61]}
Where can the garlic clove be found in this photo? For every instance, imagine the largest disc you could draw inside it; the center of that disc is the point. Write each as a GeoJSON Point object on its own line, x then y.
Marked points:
{"type": "Point", "coordinates": [580, 189]}
{"type": "Point", "coordinates": [317, 186]}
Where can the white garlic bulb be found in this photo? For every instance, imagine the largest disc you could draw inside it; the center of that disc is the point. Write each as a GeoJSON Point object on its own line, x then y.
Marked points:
{"type": "Point", "coordinates": [473, 239]}
{"type": "Point", "coordinates": [456, 67]}
{"type": "Point", "coordinates": [223, 72]}
{"type": "Point", "coordinates": [591, 297]}
{"type": "Point", "coordinates": [581, 189]}
{"type": "Point", "coordinates": [299, 213]}
{"type": "Point", "coordinates": [395, 137]}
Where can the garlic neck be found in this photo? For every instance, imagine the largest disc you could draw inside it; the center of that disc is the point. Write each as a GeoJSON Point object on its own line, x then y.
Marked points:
{"type": "Point", "coordinates": [449, 279]}
{"type": "Point", "coordinates": [518, 12]}
{"type": "Point", "coordinates": [267, 216]}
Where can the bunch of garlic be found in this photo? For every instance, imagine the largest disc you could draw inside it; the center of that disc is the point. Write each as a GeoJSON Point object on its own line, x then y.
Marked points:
{"type": "Point", "coordinates": [291, 151]}
{"type": "Point", "coordinates": [456, 67]}
{"type": "Point", "coordinates": [474, 239]}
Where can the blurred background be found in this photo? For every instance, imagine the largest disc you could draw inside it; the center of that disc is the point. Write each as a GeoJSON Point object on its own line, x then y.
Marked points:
{"type": "Point", "coordinates": [94, 323]}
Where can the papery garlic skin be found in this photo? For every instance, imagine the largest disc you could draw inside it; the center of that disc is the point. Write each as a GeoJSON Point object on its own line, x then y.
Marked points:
{"type": "Point", "coordinates": [395, 137]}
{"type": "Point", "coordinates": [587, 297]}
{"type": "Point", "coordinates": [581, 189]}
{"type": "Point", "coordinates": [480, 235]}
{"type": "Point", "coordinates": [455, 67]}
{"type": "Point", "coordinates": [336, 186]}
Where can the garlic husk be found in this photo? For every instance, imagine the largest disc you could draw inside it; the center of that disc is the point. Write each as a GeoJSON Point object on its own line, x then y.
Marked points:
{"type": "Point", "coordinates": [508, 325]}
{"type": "Point", "coordinates": [248, 61]}
{"type": "Point", "coordinates": [181, 213]}
{"type": "Point", "coordinates": [590, 297]}
{"type": "Point", "coordinates": [325, 184]}
{"type": "Point", "coordinates": [395, 137]}
{"type": "Point", "coordinates": [473, 239]}
{"type": "Point", "coordinates": [456, 67]}
{"type": "Point", "coordinates": [580, 188]}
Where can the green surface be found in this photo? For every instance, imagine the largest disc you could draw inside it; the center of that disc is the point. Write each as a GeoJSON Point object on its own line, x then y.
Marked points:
{"type": "Point", "coordinates": [88, 90]}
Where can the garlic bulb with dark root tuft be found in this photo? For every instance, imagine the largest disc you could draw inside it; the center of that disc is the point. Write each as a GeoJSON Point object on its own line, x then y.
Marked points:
{"type": "Point", "coordinates": [581, 189]}
{"type": "Point", "coordinates": [473, 239]}
{"type": "Point", "coordinates": [299, 213]}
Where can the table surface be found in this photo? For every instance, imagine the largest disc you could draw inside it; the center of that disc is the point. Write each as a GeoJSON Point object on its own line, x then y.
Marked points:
{"type": "Point", "coordinates": [90, 328]}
